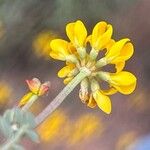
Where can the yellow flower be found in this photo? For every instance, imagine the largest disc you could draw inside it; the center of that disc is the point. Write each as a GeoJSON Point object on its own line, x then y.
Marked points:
{"type": "Point", "coordinates": [77, 33]}
{"type": "Point", "coordinates": [117, 53]}
{"type": "Point", "coordinates": [124, 82]}
{"type": "Point", "coordinates": [101, 35]}
{"type": "Point", "coordinates": [61, 50]}
{"type": "Point", "coordinates": [36, 88]}
{"type": "Point", "coordinates": [76, 56]}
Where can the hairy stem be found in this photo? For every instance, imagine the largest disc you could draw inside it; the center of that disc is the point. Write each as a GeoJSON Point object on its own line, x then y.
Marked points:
{"type": "Point", "coordinates": [61, 96]}
{"type": "Point", "coordinates": [16, 139]}
{"type": "Point", "coordinates": [30, 102]}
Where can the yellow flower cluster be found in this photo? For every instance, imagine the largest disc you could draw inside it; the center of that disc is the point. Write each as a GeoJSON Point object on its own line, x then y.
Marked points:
{"type": "Point", "coordinates": [76, 55]}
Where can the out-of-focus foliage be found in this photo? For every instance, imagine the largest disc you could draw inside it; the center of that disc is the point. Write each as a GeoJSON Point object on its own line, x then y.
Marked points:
{"type": "Point", "coordinates": [87, 10]}
{"type": "Point", "coordinates": [26, 19]}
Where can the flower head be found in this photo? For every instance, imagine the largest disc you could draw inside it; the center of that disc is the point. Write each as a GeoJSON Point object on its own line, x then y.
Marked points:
{"type": "Point", "coordinates": [76, 56]}
{"type": "Point", "coordinates": [36, 88]}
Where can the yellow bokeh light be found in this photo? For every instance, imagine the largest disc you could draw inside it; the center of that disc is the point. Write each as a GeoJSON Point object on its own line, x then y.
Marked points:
{"type": "Point", "coordinates": [52, 127]}
{"type": "Point", "coordinates": [84, 128]}
{"type": "Point", "coordinates": [5, 92]}
{"type": "Point", "coordinates": [41, 43]}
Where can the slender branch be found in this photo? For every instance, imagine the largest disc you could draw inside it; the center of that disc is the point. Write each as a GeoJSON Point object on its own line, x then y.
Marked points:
{"type": "Point", "coordinates": [62, 95]}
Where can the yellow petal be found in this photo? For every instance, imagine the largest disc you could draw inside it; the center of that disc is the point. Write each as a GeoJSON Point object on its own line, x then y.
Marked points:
{"type": "Point", "coordinates": [110, 91]}
{"type": "Point", "coordinates": [119, 66]}
{"type": "Point", "coordinates": [109, 45]}
{"type": "Point", "coordinates": [123, 78]}
{"type": "Point", "coordinates": [34, 85]}
{"type": "Point", "coordinates": [116, 49]}
{"type": "Point", "coordinates": [125, 53]}
{"type": "Point", "coordinates": [80, 33]}
{"type": "Point", "coordinates": [126, 89]}
{"type": "Point", "coordinates": [124, 82]}
{"type": "Point", "coordinates": [56, 56]}
{"type": "Point", "coordinates": [59, 47]}
{"type": "Point", "coordinates": [44, 88]}
{"type": "Point", "coordinates": [72, 49]}
{"type": "Point", "coordinates": [101, 35]}
{"type": "Point", "coordinates": [70, 31]}
{"type": "Point", "coordinates": [105, 37]}
{"type": "Point", "coordinates": [89, 39]}
{"type": "Point", "coordinates": [77, 33]}
{"type": "Point", "coordinates": [65, 70]}
{"type": "Point", "coordinates": [102, 101]}
{"type": "Point", "coordinates": [67, 80]}
{"type": "Point", "coordinates": [25, 99]}
{"type": "Point", "coordinates": [91, 102]}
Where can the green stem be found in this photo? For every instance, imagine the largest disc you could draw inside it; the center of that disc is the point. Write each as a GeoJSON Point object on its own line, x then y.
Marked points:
{"type": "Point", "coordinates": [93, 54]}
{"type": "Point", "coordinates": [30, 102]}
{"type": "Point", "coordinates": [15, 139]}
{"type": "Point", "coordinates": [84, 72]}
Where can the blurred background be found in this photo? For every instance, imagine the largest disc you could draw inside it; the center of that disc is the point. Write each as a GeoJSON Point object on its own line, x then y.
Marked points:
{"type": "Point", "coordinates": [26, 28]}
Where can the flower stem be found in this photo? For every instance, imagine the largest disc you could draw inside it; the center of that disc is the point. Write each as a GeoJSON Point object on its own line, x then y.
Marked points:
{"type": "Point", "coordinates": [84, 72]}
{"type": "Point", "coordinates": [30, 102]}
{"type": "Point", "coordinates": [15, 139]}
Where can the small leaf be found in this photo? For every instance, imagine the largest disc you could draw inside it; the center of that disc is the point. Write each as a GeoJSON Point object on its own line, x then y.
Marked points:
{"type": "Point", "coordinates": [8, 115]}
{"type": "Point", "coordinates": [17, 147]}
{"type": "Point", "coordinates": [29, 119]}
{"type": "Point", "coordinates": [5, 127]}
{"type": "Point", "coordinates": [32, 135]}
{"type": "Point", "coordinates": [18, 115]}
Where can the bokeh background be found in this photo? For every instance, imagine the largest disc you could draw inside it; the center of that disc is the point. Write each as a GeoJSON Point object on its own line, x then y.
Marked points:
{"type": "Point", "coordinates": [26, 27]}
